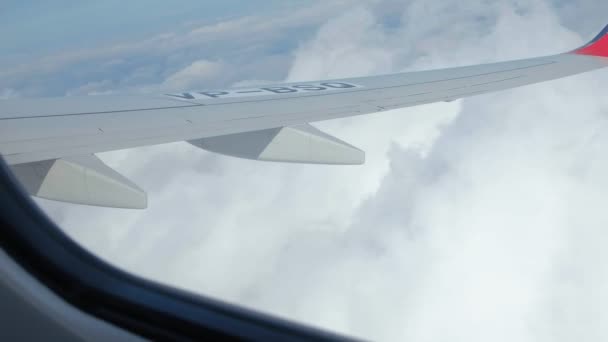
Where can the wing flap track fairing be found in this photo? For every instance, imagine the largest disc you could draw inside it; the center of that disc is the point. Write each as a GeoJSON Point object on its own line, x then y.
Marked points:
{"type": "Point", "coordinates": [80, 180]}
{"type": "Point", "coordinates": [297, 144]}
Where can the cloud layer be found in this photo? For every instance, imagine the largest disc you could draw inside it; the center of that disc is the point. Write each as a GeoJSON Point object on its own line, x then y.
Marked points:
{"type": "Point", "coordinates": [480, 219]}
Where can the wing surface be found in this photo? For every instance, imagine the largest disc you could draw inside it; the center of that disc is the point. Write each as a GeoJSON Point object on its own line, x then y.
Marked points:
{"type": "Point", "coordinates": [34, 130]}
{"type": "Point", "coordinates": [48, 128]}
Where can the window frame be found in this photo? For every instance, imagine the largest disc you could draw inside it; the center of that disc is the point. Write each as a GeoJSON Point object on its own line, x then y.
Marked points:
{"type": "Point", "coordinates": [141, 306]}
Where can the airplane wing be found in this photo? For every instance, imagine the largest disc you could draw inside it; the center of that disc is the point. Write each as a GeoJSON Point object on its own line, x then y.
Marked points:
{"type": "Point", "coordinates": [50, 142]}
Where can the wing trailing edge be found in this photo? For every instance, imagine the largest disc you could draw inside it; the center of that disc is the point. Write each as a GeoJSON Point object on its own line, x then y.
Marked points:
{"type": "Point", "coordinates": [80, 180]}
{"type": "Point", "coordinates": [297, 144]}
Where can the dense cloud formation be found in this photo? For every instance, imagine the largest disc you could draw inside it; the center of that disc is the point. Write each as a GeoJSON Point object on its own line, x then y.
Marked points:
{"type": "Point", "coordinates": [475, 220]}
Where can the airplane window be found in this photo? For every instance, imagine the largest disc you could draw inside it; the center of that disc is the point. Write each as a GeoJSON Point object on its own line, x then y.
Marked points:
{"type": "Point", "coordinates": [223, 149]}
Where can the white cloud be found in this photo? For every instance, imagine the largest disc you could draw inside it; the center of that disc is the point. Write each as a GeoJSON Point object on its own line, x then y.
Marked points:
{"type": "Point", "coordinates": [8, 93]}
{"type": "Point", "coordinates": [93, 88]}
{"type": "Point", "coordinates": [193, 75]}
{"type": "Point", "coordinates": [473, 220]}
{"type": "Point", "coordinates": [352, 42]}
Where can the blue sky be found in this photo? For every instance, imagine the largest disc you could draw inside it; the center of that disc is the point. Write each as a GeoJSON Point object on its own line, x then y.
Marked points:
{"type": "Point", "coordinates": [69, 44]}
{"type": "Point", "coordinates": [42, 26]}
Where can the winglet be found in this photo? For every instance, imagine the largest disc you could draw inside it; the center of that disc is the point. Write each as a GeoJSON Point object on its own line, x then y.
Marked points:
{"type": "Point", "coordinates": [597, 47]}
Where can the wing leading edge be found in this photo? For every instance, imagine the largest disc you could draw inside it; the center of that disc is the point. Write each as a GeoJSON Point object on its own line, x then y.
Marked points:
{"type": "Point", "coordinates": [273, 117]}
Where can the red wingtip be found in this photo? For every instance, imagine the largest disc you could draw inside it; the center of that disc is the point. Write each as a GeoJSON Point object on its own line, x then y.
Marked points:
{"type": "Point", "coordinates": [597, 47]}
